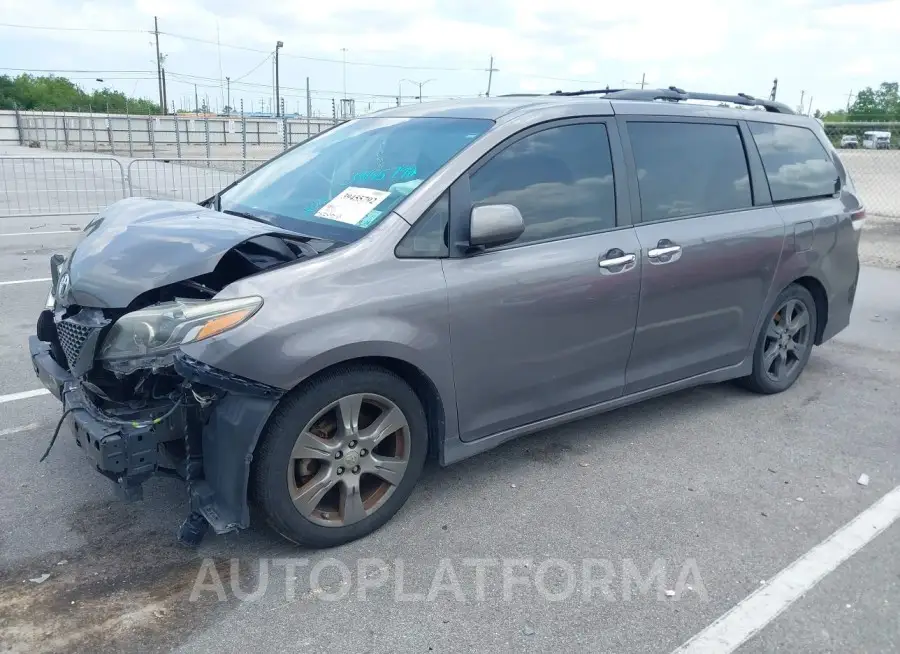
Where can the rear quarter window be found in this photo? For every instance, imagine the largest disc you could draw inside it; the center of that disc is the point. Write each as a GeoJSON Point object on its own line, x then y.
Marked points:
{"type": "Point", "coordinates": [689, 169]}
{"type": "Point", "coordinates": [796, 163]}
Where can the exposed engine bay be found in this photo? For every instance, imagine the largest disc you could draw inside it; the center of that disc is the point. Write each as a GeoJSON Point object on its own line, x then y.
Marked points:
{"type": "Point", "coordinates": [147, 380]}
{"type": "Point", "coordinates": [108, 346]}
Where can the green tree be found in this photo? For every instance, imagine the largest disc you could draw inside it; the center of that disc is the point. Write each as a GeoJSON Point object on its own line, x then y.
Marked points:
{"type": "Point", "coordinates": [876, 105]}
{"type": "Point", "coordinates": [51, 93]}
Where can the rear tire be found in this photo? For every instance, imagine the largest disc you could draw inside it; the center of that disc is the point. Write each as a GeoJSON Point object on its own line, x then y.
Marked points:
{"type": "Point", "coordinates": [321, 480]}
{"type": "Point", "coordinates": [785, 342]}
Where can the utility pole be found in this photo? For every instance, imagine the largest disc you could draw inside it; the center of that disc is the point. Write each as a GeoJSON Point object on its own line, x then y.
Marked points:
{"type": "Point", "coordinates": [228, 84]}
{"type": "Point", "coordinates": [643, 80]}
{"type": "Point", "coordinates": [159, 77]}
{"type": "Point", "coordinates": [774, 89]}
{"type": "Point", "coordinates": [849, 96]}
{"type": "Point", "coordinates": [196, 99]}
{"type": "Point", "coordinates": [278, 46]}
{"type": "Point", "coordinates": [491, 71]}
{"type": "Point", "coordinates": [164, 94]}
{"type": "Point", "coordinates": [308, 104]}
{"type": "Point", "coordinates": [802, 96]}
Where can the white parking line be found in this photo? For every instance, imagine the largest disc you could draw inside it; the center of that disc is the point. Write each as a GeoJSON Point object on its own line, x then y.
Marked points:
{"type": "Point", "coordinates": [19, 430]}
{"type": "Point", "coordinates": [24, 395]}
{"type": "Point", "coordinates": [62, 231]}
{"type": "Point", "coordinates": [742, 622]}
{"type": "Point", "coordinates": [25, 281]}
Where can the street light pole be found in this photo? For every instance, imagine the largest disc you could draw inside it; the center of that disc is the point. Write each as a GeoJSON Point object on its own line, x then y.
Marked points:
{"type": "Point", "coordinates": [228, 86]}
{"type": "Point", "coordinates": [278, 46]}
{"type": "Point", "coordinates": [419, 84]}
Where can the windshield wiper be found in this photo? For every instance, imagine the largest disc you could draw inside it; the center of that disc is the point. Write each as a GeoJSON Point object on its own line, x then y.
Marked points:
{"type": "Point", "coordinates": [249, 216]}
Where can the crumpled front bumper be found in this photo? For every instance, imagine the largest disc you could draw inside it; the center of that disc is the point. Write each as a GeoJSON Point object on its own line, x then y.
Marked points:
{"type": "Point", "coordinates": [223, 436]}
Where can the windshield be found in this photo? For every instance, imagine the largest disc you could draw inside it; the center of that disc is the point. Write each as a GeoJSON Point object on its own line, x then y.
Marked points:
{"type": "Point", "coordinates": [341, 184]}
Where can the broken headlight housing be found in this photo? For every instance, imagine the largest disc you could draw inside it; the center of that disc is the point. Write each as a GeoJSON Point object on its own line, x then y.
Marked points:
{"type": "Point", "coordinates": [158, 331]}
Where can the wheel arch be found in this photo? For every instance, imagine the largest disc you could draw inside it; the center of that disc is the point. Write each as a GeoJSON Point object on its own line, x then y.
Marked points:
{"type": "Point", "coordinates": [820, 297]}
{"type": "Point", "coordinates": [425, 388]}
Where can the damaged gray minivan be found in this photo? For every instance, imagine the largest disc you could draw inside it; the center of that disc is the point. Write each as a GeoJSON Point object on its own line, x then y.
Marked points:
{"type": "Point", "coordinates": [437, 279]}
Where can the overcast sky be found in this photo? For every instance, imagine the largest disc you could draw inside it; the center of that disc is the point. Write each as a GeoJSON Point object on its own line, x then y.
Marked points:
{"type": "Point", "coordinates": [825, 48]}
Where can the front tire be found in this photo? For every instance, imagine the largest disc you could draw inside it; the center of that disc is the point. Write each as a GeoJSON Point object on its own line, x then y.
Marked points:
{"type": "Point", "coordinates": [341, 456]}
{"type": "Point", "coordinates": [785, 342]}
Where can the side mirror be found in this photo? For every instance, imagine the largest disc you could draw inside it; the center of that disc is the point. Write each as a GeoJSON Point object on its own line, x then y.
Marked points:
{"type": "Point", "coordinates": [495, 224]}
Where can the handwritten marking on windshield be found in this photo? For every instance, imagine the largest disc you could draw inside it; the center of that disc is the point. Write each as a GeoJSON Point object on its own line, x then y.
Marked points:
{"type": "Point", "coordinates": [375, 175]}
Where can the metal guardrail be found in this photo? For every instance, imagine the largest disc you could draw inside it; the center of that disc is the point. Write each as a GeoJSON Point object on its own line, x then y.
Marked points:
{"type": "Point", "coordinates": [59, 186]}
{"type": "Point", "coordinates": [191, 180]}
{"type": "Point", "coordinates": [71, 186]}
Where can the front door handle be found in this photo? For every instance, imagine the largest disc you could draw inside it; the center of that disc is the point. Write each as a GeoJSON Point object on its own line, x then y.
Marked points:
{"type": "Point", "coordinates": [657, 253]}
{"type": "Point", "coordinates": [615, 262]}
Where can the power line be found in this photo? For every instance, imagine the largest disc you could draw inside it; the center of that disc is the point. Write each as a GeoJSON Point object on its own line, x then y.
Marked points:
{"type": "Point", "coordinates": [252, 70]}
{"type": "Point", "coordinates": [74, 70]}
{"type": "Point", "coordinates": [268, 54]}
{"type": "Point", "coordinates": [70, 29]}
{"type": "Point", "coordinates": [323, 59]}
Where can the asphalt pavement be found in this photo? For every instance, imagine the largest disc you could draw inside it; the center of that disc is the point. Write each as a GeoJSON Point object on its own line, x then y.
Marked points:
{"type": "Point", "coordinates": [634, 531]}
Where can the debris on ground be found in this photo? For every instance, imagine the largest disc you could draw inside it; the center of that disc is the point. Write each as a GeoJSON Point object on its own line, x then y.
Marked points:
{"type": "Point", "coordinates": [799, 499]}
{"type": "Point", "coordinates": [670, 593]}
{"type": "Point", "coordinates": [39, 580]}
{"type": "Point", "coordinates": [61, 562]}
{"type": "Point", "coordinates": [863, 480]}
{"type": "Point", "coordinates": [512, 485]}
{"type": "Point", "coordinates": [528, 630]}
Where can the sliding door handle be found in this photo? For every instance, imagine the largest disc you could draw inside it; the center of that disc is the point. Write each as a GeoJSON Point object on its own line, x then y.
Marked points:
{"type": "Point", "coordinates": [657, 253]}
{"type": "Point", "coordinates": [615, 262]}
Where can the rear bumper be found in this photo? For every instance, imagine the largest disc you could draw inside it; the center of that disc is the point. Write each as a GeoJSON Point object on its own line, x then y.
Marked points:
{"type": "Point", "coordinates": [219, 439]}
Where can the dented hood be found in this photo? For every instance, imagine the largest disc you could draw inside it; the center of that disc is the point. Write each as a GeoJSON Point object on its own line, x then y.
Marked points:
{"type": "Point", "coordinates": [136, 245]}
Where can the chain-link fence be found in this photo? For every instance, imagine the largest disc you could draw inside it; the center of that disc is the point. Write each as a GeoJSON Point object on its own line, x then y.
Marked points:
{"type": "Point", "coordinates": [871, 153]}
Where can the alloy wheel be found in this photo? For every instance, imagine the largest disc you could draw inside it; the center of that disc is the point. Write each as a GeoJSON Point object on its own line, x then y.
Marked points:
{"type": "Point", "coordinates": [787, 340]}
{"type": "Point", "coordinates": [349, 459]}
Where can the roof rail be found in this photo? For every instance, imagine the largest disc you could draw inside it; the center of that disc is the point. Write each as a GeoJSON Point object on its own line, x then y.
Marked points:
{"type": "Point", "coordinates": [674, 94]}
{"type": "Point", "coordinates": [592, 92]}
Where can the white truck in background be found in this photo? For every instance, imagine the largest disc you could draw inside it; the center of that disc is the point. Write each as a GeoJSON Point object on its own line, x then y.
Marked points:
{"type": "Point", "coordinates": [876, 140]}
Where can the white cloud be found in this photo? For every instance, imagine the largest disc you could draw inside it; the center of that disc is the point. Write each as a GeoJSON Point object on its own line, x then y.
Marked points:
{"type": "Point", "coordinates": [713, 45]}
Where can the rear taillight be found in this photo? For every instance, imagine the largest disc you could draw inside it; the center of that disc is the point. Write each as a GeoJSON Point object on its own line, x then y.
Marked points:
{"type": "Point", "coordinates": [858, 218]}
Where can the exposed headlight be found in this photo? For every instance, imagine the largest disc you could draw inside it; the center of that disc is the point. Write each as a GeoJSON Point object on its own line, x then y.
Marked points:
{"type": "Point", "coordinates": [162, 329]}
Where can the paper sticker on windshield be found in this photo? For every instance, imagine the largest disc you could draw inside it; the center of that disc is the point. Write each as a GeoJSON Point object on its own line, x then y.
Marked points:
{"type": "Point", "coordinates": [352, 205]}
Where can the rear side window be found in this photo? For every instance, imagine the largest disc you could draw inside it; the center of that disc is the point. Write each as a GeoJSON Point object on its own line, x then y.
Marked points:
{"type": "Point", "coordinates": [560, 179]}
{"type": "Point", "coordinates": [797, 166]}
{"type": "Point", "coordinates": [686, 169]}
